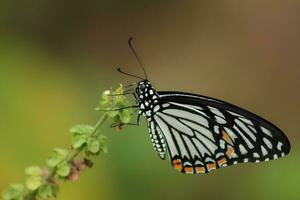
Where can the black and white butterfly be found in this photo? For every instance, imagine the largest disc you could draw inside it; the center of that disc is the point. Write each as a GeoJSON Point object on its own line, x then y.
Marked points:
{"type": "Point", "coordinates": [201, 133]}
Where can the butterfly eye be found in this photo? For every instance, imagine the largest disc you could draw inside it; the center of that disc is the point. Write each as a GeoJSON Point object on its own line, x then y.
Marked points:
{"type": "Point", "coordinates": [142, 87]}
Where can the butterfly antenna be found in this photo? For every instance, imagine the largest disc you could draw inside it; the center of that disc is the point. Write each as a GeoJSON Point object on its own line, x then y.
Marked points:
{"type": "Point", "coordinates": [137, 57]}
{"type": "Point", "coordinates": [122, 72]}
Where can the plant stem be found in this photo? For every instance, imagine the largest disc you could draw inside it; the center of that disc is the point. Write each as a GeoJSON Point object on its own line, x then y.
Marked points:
{"type": "Point", "coordinates": [75, 152]}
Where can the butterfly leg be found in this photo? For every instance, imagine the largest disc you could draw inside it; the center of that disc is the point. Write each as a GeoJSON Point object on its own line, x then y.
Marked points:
{"type": "Point", "coordinates": [125, 93]}
{"type": "Point", "coordinates": [118, 109]}
{"type": "Point", "coordinates": [114, 125]}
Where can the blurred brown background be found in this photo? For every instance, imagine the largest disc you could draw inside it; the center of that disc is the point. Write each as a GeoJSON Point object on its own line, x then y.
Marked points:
{"type": "Point", "coordinates": [57, 56]}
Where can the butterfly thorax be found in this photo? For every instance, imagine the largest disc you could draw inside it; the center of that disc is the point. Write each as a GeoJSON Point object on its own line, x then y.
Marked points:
{"type": "Point", "coordinates": [147, 98]}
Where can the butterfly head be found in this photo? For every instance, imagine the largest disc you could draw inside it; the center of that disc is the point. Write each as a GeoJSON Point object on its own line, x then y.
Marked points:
{"type": "Point", "coordinates": [143, 88]}
{"type": "Point", "coordinates": [147, 98]}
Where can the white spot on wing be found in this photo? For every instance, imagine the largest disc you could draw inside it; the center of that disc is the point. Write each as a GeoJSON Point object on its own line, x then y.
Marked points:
{"type": "Point", "coordinates": [156, 108]}
{"type": "Point", "coordinates": [268, 143]}
{"type": "Point", "coordinates": [216, 111]}
{"type": "Point", "coordinates": [165, 105]}
{"type": "Point", "coordinates": [266, 131]}
{"type": "Point", "coordinates": [219, 155]}
{"type": "Point", "coordinates": [264, 151]}
{"type": "Point", "coordinates": [256, 155]}
{"type": "Point", "coordinates": [279, 146]}
{"type": "Point", "coordinates": [242, 149]}
{"type": "Point", "coordinates": [216, 129]}
{"type": "Point", "coordinates": [199, 163]}
{"type": "Point", "coordinates": [220, 120]}
{"type": "Point", "coordinates": [222, 144]}
{"type": "Point", "coordinates": [247, 121]}
{"type": "Point", "coordinates": [208, 159]}
{"type": "Point", "coordinates": [234, 155]}
{"type": "Point", "coordinates": [235, 114]}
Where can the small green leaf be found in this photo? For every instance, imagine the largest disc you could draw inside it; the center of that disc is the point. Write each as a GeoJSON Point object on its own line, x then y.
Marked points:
{"type": "Point", "coordinates": [112, 114]}
{"type": "Point", "coordinates": [56, 157]}
{"type": "Point", "coordinates": [14, 192]}
{"type": "Point", "coordinates": [120, 98]}
{"type": "Point", "coordinates": [125, 116]}
{"type": "Point", "coordinates": [34, 171]}
{"type": "Point", "coordinates": [107, 102]}
{"type": "Point", "coordinates": [102, 138]}
{"type": "Point", "coordinates": [82, 129]}
{"type": "Point", "coordinates": [63, 169]}
{"type": "Point", "coordinates": [46, 191]}
{"type": "Point", "coordinates": [78, 140]}
{"type": "Point", "coordinates": [93, 145]}
{"type": "Point", "coordinates": [33, 182]}
{"type": "Point", "coordinates": [104, 148]}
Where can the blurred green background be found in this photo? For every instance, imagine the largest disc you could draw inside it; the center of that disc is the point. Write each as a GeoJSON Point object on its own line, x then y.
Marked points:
{"type": "Point", "coordinates": [57, 56]}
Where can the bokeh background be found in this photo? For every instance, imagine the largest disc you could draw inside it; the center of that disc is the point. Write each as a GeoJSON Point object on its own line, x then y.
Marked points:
{"type": "Point", "coordinates": [57, 56]}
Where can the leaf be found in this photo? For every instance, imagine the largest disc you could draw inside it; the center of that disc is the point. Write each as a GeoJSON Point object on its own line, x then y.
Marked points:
{"type": "Point", "coordinates": [125, 116]}
{"type": "Point", "coordinates": [106, 101]}
{"type": "Point", "coordinates": [93, 145]}
{"type": "Point", "coordinates": [120, 98]}
{"type": "Point", "coordinates": [33, 182]}
{"type": "Point", "coordinates": [78, 140]}
{"type": "Point", "coordinates": [112, 114]}
{"type": "Point", "coordinates": [34, 171]}
{"type": "Point", "coordinates": [104, 148]}
{"type": "Point", "coordinates": [63, 169]}
{"type": "Point", "coordinates": [46, 191]}
{"type": "Point", "coordinates": [14, 192]}
{"type": "Point", "coordinates": [56, 157]}
{"type": "Point", "coordinates": [82, 129]}
{"type": "Point", "coordinates": [102, 138]}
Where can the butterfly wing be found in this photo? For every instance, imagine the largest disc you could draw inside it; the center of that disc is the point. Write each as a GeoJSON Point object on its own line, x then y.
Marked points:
{"type": "Point", "coordinates": [203, 133]}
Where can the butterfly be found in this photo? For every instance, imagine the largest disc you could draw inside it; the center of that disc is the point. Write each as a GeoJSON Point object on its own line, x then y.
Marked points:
{"type": "Point", "coordinates": [200, 134]}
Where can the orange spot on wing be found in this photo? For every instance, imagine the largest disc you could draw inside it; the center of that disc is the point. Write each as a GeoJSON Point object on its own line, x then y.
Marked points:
{"type": "Point", "coordinates": [177, 164]}
{"type": "Point", "coordinates": [230, 152]}
{"type": "Point", "coordinates": [200, 170]}
{"type": "Point", "coordinates": [188, 170]}
{"type": "Point", "coordinates": [226, 137]}
{"type": "Point", "coordinates": [211, 166]}
{"type": "Point", "coordinates": [222, 161]}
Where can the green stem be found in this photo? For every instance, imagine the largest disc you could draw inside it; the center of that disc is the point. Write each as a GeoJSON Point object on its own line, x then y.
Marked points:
{"type": "Point", "coordinates": [75, 152]}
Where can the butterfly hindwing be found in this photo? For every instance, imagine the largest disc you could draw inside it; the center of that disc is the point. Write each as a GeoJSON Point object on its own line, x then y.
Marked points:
{"type": "Point", "coordinates": [203, 134]}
